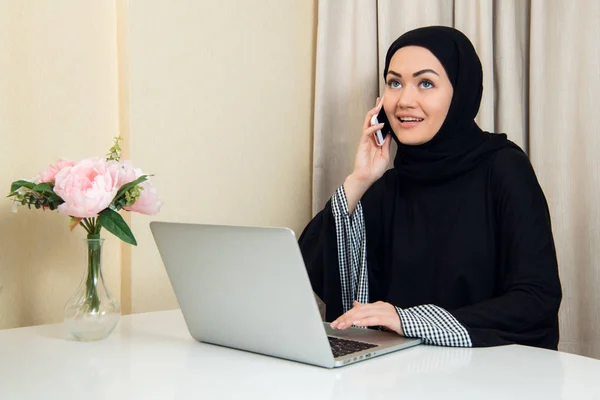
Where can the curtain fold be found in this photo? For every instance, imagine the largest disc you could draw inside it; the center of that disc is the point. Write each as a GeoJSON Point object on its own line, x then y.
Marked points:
{"type": "Point", "coordinates": [564, 149]}
{"type": "Point", "coordinates": [345, 86]}
{"type": "Point", "coordinates": [541, 63]}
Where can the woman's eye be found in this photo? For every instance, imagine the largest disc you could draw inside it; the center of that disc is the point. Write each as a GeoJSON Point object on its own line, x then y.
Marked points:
{"type": "Point", "coordinates": [426, 84]}
{"type": "Point", "coordinates": [394, 84]}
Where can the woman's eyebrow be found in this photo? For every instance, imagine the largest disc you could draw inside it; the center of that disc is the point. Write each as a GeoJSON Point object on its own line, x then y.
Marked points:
{"type": "Point", "coordinates": [421, 72]}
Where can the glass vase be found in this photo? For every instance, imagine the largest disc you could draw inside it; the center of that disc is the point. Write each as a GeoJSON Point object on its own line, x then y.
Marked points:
{"type": "Point", "coordinates": [92, 312]}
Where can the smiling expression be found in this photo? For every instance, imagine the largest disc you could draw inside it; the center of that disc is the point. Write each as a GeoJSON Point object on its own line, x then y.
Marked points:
{"type": "Point", "coordinates": [417, 94]}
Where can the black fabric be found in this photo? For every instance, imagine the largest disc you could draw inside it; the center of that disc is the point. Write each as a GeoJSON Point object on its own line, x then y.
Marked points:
{"type": "Point", "coordinates": [460, 144]}
{"type": "Point", "coordinates": [469, 231]}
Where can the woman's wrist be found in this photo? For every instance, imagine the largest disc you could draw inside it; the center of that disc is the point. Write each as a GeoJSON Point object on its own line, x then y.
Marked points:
{"type": "Point", "coordinates": [355, 188]}
{"type": "Point", "coordinates": [358, 184]}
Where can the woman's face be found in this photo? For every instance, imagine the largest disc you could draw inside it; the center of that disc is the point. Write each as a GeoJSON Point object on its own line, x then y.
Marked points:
{"type": "Point", "coordinates": [417, 95]}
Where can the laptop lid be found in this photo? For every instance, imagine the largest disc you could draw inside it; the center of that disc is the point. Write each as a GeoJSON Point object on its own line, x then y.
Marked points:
{"type": "Point", "coordinates": [245, 288]}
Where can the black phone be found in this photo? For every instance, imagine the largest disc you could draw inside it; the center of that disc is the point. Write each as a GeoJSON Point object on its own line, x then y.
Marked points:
{"type": "Point", "coordinates": [383, 132]}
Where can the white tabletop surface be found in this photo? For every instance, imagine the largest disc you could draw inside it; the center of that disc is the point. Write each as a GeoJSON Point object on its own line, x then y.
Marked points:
{"type": "Point", "coordinates": [152, 356]}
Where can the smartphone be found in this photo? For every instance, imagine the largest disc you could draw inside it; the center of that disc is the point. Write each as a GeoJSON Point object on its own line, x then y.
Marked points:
{"type": "Point", "coordinates": [383, 132]}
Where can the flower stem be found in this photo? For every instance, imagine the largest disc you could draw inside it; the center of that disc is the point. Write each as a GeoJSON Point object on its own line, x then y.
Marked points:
{"type": "Point", "coordinates": [84, 227]}
{"type": "Point", "coordinates": [84, 222]}
{"type": "Point", "coordinates": [91, 287]}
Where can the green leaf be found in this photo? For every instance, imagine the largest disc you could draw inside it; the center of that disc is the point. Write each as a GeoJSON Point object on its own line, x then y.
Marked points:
{"type": "Point", "coordinates": [130, 185]}
{"type": "Point", "coordinates": [115, 224]}
{"type": "Point", "coordinates": [16, 185]}
{"type": "Point", "coordinates": [51, 196]}
{"type": "Point", "coordinates": [43, 188]}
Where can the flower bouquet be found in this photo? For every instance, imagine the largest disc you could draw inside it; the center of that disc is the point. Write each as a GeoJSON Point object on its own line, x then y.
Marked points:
{"type": "Point", "coordinates": [92, 192]}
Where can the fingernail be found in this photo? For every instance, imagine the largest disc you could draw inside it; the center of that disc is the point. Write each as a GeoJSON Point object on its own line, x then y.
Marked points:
{"type": "Point", "coordinates": [333, 324]}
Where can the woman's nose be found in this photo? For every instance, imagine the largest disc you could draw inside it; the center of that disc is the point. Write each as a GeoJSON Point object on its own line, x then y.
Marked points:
{"type": "Point", "coordinates": [407, 98]}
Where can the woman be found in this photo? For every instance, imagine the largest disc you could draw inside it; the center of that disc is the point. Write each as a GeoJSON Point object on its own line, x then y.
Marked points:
{"type": "Point", "coordinates": [452, 245]}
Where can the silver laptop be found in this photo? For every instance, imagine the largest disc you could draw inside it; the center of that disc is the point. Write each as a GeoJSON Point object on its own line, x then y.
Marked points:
{"type": "Point", "coordinates": [247, 288]}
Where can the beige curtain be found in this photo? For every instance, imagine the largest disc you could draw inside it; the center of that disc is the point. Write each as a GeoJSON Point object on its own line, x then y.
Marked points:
{"type": "Point", "coordinates": [541, 62]}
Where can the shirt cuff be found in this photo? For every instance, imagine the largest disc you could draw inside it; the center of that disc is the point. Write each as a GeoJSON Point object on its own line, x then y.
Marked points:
{"type": "Point", "coordinates": [434, 325]}
{"type": "Point", "coordinates": [339, 203]}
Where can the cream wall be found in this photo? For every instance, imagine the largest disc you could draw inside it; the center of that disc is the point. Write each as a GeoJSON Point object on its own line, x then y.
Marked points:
{"type": "Point", "coordinates": [220, 111]}
{"type": "Point", "coordinates": [58, 98]}
{"type": "Point", "coordinates": [213, 97]}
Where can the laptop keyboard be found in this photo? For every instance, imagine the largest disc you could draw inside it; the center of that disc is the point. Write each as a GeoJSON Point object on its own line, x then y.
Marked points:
{"type": "Point", "coordinates": [342, 347]}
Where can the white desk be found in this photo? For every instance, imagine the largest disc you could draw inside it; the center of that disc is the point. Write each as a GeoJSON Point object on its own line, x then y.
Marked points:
{"type": "Point", "coordinates": [152, 356]}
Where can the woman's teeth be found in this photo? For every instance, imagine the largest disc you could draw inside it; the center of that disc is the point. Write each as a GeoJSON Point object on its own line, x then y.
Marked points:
{"type": "Point", "coordinates": [410, 119]}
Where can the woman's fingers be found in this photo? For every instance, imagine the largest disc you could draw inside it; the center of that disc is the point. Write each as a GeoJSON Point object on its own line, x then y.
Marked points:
{"type": "Point", "coordinates": [372, 314]}
{"type": "Point", "coordinates": [358, 311]}
{"type": "Point", "coordinates": [374, 111]}
{"type": "Point", "coordinates": [368, 165]}
{"type": "Point", "coordinates": [369, 321]}
{"type": "Point", "coordinates": [372, 129]}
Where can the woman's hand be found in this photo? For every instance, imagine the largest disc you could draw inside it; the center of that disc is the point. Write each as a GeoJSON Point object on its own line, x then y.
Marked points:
{"type": "Point", "coordinates": [371, 160]}
{"type": "Point", "coordinates": [370, 163]}
{"type": "Point", "coordinates": [371, 314]}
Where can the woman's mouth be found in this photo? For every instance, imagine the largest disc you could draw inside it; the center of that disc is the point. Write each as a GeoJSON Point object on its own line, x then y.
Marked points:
{"type": "Point", "coordinates": [409, 122]}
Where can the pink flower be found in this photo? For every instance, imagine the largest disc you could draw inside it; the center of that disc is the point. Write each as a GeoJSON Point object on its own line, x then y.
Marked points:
{"type": "Point", "coordinates": [50, 172]}
{"type": "Point", "coordinates": [130, 173]}
{"type": "Point", "coordinates": [148, 203]}
{"type": "Point", "coordinates": [88, 187]}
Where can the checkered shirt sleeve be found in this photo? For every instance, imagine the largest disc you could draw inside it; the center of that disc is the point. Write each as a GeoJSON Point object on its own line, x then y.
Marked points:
{"type": "Point", "coordinates": [352, 250]}
{"type": "Point", "coordinates": [431, 323]}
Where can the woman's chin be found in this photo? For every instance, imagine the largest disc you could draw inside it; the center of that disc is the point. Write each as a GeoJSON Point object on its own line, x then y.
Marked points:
{"type": "Point", "coordinates": [412, 140]}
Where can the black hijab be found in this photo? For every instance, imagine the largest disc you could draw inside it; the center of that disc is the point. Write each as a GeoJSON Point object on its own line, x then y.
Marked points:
{"type": "Point", "coordinates": [460, 144]}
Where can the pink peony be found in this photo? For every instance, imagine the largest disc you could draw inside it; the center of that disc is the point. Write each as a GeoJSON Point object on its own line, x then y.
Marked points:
{"type": "Point", "coordinates": [50, 172]}
{"type": "Point", "coordinates": [88, 187]}
{"type": "Point", "coordinates": [130, 173]}
{"type": "Point", "coordinates": [148, 203]}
